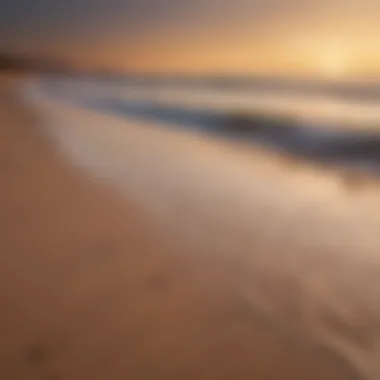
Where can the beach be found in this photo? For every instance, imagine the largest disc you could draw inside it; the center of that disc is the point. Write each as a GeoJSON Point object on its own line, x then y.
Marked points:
{"type": "Point", "coordinates": [120, 261]}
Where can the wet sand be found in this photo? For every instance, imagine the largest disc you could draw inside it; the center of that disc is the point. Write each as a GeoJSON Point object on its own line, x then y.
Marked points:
{"type": "Point", "coordinates": [92, 288]}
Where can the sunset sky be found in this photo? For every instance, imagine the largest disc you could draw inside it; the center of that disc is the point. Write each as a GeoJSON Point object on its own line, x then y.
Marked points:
{"type": "Point", "coordinates": [309, 37]}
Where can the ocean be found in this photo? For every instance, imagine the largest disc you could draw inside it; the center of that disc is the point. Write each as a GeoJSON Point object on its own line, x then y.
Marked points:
{"type": "Point", "coordinates": [331, 122]}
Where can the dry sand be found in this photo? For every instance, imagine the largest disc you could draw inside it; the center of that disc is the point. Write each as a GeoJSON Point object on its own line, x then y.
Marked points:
{"type": "Point", "coordinates": [92, 289]}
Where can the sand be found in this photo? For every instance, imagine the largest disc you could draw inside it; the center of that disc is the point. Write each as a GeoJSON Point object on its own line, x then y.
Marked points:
{"type": "Point", "coordinates": [93, 288]}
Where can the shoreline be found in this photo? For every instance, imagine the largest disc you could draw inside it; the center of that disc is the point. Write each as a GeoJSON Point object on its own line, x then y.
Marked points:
{"type": "Point", "coordinates": [350, 153]}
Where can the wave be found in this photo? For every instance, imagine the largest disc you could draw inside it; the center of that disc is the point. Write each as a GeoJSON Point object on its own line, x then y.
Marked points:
{"type": "Point", "coordinates": [281, 128]}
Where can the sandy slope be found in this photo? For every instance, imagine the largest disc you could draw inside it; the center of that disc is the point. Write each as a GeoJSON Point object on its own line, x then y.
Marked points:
{"type": "Point", "coordinates": [93, 287]}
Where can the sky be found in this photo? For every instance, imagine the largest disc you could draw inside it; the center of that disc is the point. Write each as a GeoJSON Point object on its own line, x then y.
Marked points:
{"type": "Point", "coordinates": [288, 37]}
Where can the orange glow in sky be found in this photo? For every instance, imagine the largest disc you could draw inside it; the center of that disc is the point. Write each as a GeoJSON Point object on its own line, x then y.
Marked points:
{"type": "Point", "coordinates": [326, 38]}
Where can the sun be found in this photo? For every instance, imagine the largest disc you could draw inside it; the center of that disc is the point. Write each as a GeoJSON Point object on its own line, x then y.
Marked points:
{"type": "Point", "coordinates": [334, 65]}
